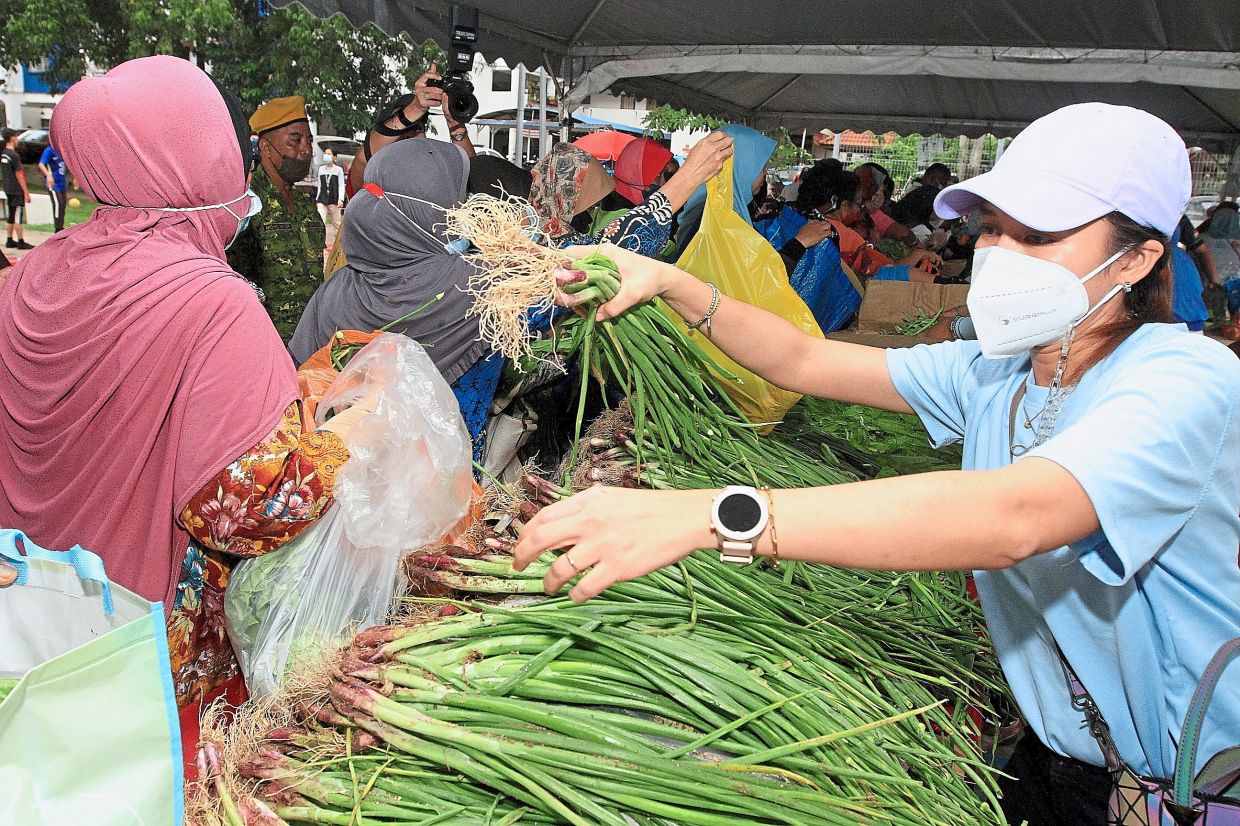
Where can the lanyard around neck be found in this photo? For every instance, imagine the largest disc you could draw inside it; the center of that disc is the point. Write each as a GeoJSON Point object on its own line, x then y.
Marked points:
{"type": "Point", "coordinates": [1016, 400]}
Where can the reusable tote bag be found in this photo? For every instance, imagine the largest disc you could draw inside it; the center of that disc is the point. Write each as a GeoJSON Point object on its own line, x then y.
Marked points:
{"type": "Point", "coordinates": [733, 256]}
{"type": "Point", "coordinates": [1210, 798]}
{"type": "Point", "coordinates": [90, 734]}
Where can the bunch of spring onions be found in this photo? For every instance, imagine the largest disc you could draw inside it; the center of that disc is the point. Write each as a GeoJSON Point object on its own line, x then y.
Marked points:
{"type": "Point", "coordinates": [673, 700]}
{"type": "Point", "coordinates": [931, 631]}
{"type": "Point", "coordinates": [686, 432]}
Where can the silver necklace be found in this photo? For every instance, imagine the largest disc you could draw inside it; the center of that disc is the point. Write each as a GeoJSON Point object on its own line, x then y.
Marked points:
{"type": "Point", "coordinates": [1057, 395]}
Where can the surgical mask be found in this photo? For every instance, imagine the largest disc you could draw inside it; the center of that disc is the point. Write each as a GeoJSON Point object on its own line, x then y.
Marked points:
{"type": "Point", "coordinates": [1018, 302]}
{"type": "Point", "coordinates": [458, 246]}
{"type": "Point", "coordinates": [329, 159]}
{"type": "Point", "coordinates": [243, 223]}
{"type": "Point", "coordinates": [254, 207]}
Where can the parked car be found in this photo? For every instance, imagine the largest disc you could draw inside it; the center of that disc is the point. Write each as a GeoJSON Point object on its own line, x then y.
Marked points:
{"type": "Point", "coordinates": [30, 145]}
{"type": "Point", "coordinates": [345, 148]}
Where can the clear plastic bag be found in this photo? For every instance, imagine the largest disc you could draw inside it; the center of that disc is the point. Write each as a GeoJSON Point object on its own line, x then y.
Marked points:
{"type": "Point", "coordinates": [406, 483]}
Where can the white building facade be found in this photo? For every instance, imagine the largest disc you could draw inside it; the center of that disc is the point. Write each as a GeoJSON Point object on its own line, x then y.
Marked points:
{"type": "Point", "coordinates": [27, 100]}
{"type": "Point", "coordinates": [497, 87]}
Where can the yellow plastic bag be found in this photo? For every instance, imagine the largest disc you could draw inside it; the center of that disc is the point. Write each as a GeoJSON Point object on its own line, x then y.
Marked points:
{"type": "Point", "coordinates": [733, 256]}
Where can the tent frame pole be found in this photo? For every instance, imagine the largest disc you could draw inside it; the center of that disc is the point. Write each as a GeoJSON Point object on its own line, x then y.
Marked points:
{"type": "Point", "coordinates": [518, 149]}
{"type": "Point", "coordinates": [543, 135]}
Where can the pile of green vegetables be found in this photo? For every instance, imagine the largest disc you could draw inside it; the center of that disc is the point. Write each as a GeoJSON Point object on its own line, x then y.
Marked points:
{"type": "Point", "coordinates": [686, 432]}
{"type": "Point", "coordinates": [700, 694]}
{"type": "Point", "coordinates": [703, 695]}
{"type": "Point", "coordinates": [889, 444]}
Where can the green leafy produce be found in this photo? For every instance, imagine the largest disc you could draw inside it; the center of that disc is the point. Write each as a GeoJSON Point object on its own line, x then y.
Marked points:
{"type": "Point", "coordinates": [686, 432]}
{"type": "Point", "coordinates": [699, 694]}
{"type": "Point", "coordinates": [704, 695]}
{"type": "Point", "coordinates": [919, 322]}
{"type": "Point", "coordinates": [895, 443]}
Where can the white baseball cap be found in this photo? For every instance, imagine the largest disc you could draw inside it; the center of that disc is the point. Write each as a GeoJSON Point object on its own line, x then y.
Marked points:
{"type": "Point", "coordinates": [1080, 163]}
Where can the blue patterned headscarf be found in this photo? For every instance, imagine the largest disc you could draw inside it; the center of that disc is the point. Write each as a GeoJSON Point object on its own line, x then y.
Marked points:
{"type": "Point", "coordinates": [750, 152]}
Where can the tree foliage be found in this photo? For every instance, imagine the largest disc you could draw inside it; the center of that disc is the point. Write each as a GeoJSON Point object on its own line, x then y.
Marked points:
{"type": "Point", "coordinates": [665, 120]}
{"type": "Point", "coordinates": [344, 74]}
{"type": "Point", "coordinates": [787, 152]}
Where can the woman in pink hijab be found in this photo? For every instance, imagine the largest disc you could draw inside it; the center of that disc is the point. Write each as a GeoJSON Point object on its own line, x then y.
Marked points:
{"type": "Point", "coordinates": [151, 412]}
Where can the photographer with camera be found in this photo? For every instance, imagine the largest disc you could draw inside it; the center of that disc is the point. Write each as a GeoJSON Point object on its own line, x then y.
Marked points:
{"type": "Point", "coordinates": [408, 117]}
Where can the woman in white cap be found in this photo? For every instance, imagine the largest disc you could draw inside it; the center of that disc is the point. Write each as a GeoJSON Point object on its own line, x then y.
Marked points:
{"type": "Point", "coordinates": [1101, 485]}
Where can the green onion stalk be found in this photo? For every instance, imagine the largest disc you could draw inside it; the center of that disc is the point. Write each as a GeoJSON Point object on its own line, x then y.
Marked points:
{"type": "Point", "coordinates": [683, 423]}
{"type": "Point", "coordinates": [915, 324]}
{"type": "Point", "coordinates": [588, 714]}
{"type": "Point", "coordinates": [342, 351]}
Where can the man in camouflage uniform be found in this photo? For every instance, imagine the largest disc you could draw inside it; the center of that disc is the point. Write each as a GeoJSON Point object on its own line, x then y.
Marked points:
{"type": "Point", "coordinates": [282, 251]}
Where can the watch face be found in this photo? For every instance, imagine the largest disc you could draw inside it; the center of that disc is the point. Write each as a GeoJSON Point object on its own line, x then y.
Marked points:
{"type": "Point", "coordinates": [739, 513]}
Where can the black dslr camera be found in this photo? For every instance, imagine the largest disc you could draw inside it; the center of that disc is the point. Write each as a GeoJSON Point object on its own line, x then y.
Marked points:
{"type": "Point", "coordinates": [459, 100]}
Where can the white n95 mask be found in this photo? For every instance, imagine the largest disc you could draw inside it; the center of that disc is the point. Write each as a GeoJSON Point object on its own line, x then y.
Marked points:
{"type": "Point", "coordinates": [1018, 302]}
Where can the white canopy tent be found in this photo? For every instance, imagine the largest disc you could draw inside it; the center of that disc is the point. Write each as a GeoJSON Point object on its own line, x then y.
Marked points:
{"type": "Point", "coordinates": [967, 66]}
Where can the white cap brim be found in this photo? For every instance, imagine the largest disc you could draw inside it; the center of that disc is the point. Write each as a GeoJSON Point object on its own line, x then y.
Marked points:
{"type": "Point", "coordinates": [1031, 196]}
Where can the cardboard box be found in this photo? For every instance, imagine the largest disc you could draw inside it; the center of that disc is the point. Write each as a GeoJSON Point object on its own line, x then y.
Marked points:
{"type": "Point", "coordinates": [888, 304]}
{"type": "Point", "coordinates": [876, 340]}
{"type": "Point", "coordinates": [952, 269]}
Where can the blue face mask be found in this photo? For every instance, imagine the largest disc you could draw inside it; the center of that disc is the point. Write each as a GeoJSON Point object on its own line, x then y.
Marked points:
{"type": "Point", "coordinates": [458, 247]}
{"type": "Point", "coordinates": [243, 223]}
{"type": "Point", "coordinates": [254, 206]}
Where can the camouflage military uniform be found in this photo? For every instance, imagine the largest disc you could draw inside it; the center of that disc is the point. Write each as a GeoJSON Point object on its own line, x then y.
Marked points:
{"type": "Point", "coordinates": [282, 253]}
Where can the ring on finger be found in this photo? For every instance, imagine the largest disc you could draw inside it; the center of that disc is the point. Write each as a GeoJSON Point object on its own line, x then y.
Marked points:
{"type": "Point", "coordinates": [569, 559]}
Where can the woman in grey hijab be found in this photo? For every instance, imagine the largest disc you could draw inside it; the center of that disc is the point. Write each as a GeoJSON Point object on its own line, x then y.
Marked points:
{"type": "Point", "coordinates": [398, 261]}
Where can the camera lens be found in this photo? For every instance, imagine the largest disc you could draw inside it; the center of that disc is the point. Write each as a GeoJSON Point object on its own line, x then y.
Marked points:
{"type": "Point", "coordinates": [462, 106]}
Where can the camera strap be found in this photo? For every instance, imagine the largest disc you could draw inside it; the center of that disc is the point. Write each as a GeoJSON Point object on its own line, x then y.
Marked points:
{"type": "Point", "coordinates": [395, 109]}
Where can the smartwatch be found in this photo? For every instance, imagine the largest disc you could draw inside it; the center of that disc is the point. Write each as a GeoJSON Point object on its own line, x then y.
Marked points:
{"type": "Point", "coordinates": [738, 517]}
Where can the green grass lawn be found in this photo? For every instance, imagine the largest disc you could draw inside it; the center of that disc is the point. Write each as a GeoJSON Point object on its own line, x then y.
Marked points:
{"type": "Point", "coordinates": [73, 215]}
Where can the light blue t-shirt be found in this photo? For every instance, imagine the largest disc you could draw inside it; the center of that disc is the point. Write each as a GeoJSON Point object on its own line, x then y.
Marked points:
{"type": "Point", "coordinates": [1152, 434]}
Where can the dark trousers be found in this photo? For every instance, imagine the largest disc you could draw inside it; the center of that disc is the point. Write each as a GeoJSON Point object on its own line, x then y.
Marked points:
{"type": "Point", "coordinates": [59, 201]}
{"type": "Point", "coordinates": [1052, 790]}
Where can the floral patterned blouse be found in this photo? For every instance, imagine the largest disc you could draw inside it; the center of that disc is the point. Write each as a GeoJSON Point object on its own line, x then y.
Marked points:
{"type": "Point", "coordinates": [262, 500]}
{"type": "Point", "coordinates": [644, 229]}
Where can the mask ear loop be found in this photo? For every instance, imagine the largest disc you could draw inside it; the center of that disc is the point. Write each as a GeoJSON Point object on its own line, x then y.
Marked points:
{"type": "Point", "coordinates": [457, 247]}
{"type": "Point", "coordinates": [460, 245]}
{"type": "Point", "coordinates": [534, 228]}
{"type": "Point", "coordinates": [1124, 287]}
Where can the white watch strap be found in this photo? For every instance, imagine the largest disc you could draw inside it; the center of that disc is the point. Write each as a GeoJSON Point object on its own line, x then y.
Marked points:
{"type": "Point", "coordinates": [737, 553]}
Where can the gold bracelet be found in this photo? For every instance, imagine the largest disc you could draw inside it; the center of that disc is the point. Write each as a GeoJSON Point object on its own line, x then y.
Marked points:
{"type": "Point", "coordinates": [770, 520]}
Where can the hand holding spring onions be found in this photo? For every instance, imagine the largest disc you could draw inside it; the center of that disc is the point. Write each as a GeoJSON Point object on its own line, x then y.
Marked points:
{"type": "Point", "coordinates": [757, 339]}
{"type": "Point", "coordinates": [616, 535]}
{"type": "Point", "coordinates": [641, 280]}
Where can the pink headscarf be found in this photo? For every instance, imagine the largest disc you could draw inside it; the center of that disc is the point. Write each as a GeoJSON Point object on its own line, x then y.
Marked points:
{"type": "Point", "coordinates": [638, 165]}
{"type": "Point", "coordinates": [134, 364]}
